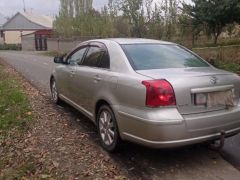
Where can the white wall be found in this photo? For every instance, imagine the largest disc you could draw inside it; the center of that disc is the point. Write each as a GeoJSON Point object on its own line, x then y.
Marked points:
{"type": "Point", "coordinates": [12, 37]}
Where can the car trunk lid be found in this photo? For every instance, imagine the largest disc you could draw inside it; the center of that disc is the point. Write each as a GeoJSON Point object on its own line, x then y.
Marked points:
{"type": "Point", "coordinates": [187, 82]}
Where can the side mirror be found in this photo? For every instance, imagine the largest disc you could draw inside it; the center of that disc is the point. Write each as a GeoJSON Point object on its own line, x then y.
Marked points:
{"type": "Point", "coordinates": [58, 60]}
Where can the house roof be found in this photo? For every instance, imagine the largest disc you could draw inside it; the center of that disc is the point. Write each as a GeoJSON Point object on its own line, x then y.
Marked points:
{"type": "Point", "coordinates": [28, 21]}
{"type": "Point", "coordinates": [42, 20]}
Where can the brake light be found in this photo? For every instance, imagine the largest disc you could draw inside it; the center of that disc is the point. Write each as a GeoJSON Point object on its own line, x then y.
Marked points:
{"type": "Point", "coordinates": [159, 93]}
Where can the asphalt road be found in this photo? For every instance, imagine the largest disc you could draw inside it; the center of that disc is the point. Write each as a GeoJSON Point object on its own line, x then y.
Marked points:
{"type": "Point", "coordinates": [35, 68]}
{"type": "Point", "coordinates": [194, 162]}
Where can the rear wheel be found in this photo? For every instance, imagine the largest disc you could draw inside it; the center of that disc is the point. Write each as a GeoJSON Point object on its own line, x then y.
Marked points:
{"type": "Point", "coordinates": [54, 92]}
{"type": "Point", "coordinates": [107, 128]}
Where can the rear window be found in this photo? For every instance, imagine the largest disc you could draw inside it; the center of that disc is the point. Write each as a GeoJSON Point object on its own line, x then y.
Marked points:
{"type": "Point", "coordinates": [160, 56]}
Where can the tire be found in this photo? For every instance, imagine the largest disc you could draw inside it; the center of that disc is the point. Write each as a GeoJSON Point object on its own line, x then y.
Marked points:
{"type": "Point", "coordinates": [108, 129]}
{"type": "Point", "coordinates": [54, 92]}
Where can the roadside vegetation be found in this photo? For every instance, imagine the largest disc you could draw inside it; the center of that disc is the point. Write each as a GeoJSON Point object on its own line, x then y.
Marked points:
{"type": "Point", "coordinates": [197, 24]}
{"type": "Point", "coordinates": [200, 24]}
{"type": "Point", "coordinates": [15, 117]}
{"type": "Point", "coordinates": [14, 106]}
{"type": "Point", "coordinates": [232, 67]}
{"type": "Point", "coordinates": [13, 47]}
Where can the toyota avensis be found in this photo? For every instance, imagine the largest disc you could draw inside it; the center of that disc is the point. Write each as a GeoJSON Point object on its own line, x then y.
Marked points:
{"type": "Point", "coordinates": [150, 92]}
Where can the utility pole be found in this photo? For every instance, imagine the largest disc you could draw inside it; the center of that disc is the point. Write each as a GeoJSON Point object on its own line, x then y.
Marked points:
{"type": "Point", "coordinates": [24, 6]}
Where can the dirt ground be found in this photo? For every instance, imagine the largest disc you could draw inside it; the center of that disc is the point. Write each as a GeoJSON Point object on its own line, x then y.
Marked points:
{"type": "Point", "coordinates": [53, 147]}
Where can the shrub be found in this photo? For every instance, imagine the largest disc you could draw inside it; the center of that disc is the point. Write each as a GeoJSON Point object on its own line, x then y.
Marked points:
{"type": "Point", "coordinates": [14, 47]}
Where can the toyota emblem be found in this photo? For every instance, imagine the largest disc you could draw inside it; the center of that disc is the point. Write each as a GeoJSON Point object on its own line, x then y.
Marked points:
{"type": "Point", "coordinates": [214, 80]}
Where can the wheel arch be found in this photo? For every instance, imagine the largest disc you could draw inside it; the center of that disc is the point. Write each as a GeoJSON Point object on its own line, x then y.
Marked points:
{"type": "Point", "coordinates": [100, 103]}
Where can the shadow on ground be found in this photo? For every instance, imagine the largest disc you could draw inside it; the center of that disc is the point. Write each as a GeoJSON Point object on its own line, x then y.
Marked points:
{"type": "Point", "coordinates": [144, 163]}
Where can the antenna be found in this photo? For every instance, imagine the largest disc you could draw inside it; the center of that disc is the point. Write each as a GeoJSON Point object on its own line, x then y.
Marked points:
{"type": "Point", "coordinates": [24, 6]}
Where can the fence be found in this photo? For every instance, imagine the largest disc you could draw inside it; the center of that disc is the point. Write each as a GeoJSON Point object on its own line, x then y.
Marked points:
{"type": "Point", "coordinates": [229, 54]}
{"type": "Point", "coordinates": [54, 44]}
{"type": "Point", "coordinates": [63, 45]}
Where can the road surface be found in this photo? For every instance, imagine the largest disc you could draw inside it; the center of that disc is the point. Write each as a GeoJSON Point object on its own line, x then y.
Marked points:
{"type": "Point", "coordinates": [196, 162]}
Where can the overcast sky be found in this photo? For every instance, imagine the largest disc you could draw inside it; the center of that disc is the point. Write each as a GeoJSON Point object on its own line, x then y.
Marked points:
{"type": "Point", "coordinates": [46, 7]}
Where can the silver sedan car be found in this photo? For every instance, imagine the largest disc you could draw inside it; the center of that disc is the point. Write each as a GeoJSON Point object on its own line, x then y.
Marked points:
{"type": "Point", "coordinates": [150, 92]}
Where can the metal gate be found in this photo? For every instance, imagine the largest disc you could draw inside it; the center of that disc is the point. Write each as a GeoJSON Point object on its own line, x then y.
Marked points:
{"type": "Point", "coordinates": [40, 42]}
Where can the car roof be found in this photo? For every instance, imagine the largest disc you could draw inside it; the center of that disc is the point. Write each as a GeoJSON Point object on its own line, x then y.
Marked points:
{"type": "Point", "coordinates": [122, 41]}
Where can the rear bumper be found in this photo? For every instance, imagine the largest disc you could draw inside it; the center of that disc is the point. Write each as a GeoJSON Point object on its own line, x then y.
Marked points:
{"type": "Point", "coordinates": [178, 143]}
{"type": "Point", "coordinates": [168, 132]}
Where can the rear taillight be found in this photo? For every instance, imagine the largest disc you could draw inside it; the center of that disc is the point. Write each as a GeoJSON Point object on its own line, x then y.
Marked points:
{"type": "Point", "coordinates": [159, 93]}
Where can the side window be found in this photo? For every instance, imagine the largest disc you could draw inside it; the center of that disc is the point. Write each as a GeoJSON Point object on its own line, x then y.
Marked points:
{"type": "Point", "coordinates": [76, 57]}
{"type": "Point", "coordinates": [93, 56]}
{"type": "Point", "coordinates": [105, 61]}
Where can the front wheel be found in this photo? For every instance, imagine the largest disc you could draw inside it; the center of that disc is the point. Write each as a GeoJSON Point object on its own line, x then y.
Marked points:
{"type": "Point", "coordinates": [108, 129]}
{"type": "Point", "coordinates": [54, 92]}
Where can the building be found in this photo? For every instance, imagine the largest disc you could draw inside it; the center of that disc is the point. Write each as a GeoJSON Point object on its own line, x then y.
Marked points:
{"type": "Point", "coordinates": [28, 29]}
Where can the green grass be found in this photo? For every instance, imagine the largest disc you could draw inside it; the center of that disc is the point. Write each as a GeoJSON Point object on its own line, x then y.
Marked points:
{"type": "Point", "coordinates": [14, 105]}
{"type": "Point", "coordinates": [232, 67]}
{"type": "Point", "coordinates": [14, 47]}
{"type": "Point", "coordinates": [15, 116]}
{"type": "Point", "coordinates": [221, 42]}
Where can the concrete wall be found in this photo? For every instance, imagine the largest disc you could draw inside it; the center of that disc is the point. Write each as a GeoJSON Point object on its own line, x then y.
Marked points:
{"type": "Point", "coordinates": [53, 44]}
{"type": "Point", "coordinates": [1, 41]}
{"type": "Point", "coordinates": [28, 43]}
{"type": "Point", "coordinates": [62, 45]}
{"type": "Point", "coordinates": [221, 53]}
{"type": "Point", "coordinates": [65, 45]}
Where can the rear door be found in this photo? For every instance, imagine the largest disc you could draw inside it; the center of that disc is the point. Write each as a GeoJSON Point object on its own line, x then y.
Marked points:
{"type": "Point", "coordinates": [90, 76]}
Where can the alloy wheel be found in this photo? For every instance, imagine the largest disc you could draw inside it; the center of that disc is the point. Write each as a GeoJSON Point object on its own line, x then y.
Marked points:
{"type": "Point", "coordinates": [54, 91]}
{"type": "Point", "coordinates": [107, 128]}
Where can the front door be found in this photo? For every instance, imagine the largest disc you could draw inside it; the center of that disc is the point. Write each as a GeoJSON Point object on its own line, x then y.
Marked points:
{"type": "Point", "coordinates": [73, 60]}
{"type": "Point", "coordinates": [90, 76]}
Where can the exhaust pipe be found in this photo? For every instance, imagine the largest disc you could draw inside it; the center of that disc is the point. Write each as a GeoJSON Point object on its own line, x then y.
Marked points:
{"type": "Point", "coordinates": [218, 146]}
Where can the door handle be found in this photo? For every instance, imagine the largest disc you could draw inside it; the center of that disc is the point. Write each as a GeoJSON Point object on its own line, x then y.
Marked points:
{"type": "Point", "coordinates": [72, 73]}
{"type": "Point", "coordinates": [97, 78]}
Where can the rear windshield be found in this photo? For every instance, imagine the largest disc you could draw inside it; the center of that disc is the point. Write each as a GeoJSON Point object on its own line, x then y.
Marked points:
{"type": "Point", "coordinates": [160, 56]}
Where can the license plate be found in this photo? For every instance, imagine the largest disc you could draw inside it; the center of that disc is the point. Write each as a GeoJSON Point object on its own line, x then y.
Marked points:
{"type": "Point", "coordinates": [213, 99]}
{"type": "Point", "coordinates": [224, 98]}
